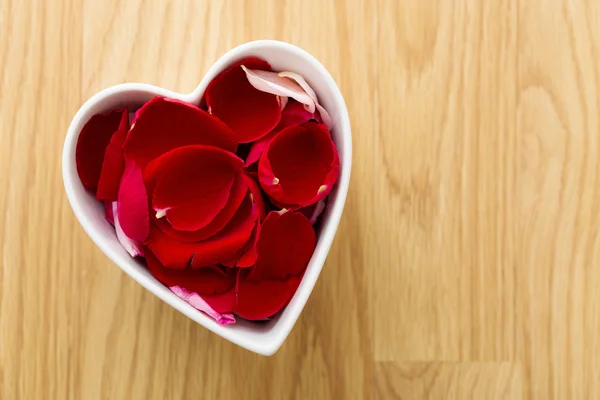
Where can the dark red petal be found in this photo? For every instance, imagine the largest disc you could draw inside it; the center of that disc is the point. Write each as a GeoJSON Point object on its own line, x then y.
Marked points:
{"type": "Point", "coordinates": [220, 248]}
{"type": "Point", "coordinates": [238, 192]}
{"type": "Point", "coordinates": [285, 245]}
{"type": "Point", "coordinates": [248, 111]}
{"type": "Point", "coordinates": [204, 281]}
{"type": "Point", "coordinates": [300, 165]}
{"type": "Point", "coordinates": [193, 184]}
{"type": "Point", "coordinates": [164, 124]}
{"type": "Point", "coordinates": [222, 303]}
{"type": "Point", "coordinates": [133, 203]}
{"type": "Point", "coordinates": [260, 300]}
{"type": "Point", "coordinates": [293, 114]}
{"type": "Point", "coordinates": [113, 164]}
{"type": "Point", "coordinates": [229, 264]}
{"type": "Point", "coordinates": [183, 156]}
{"type": "Point", "coordinates": [91, 145]}
{"type": "Point", "coordinates": [249, 256]}
{"type": "Point", "coordinates": [257, 196]}
{"type": "Point", "coordinates": [249, 252]}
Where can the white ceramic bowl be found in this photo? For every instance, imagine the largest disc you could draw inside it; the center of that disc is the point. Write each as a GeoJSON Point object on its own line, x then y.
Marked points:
{"type": "Point", "coordinates": [262, 338]}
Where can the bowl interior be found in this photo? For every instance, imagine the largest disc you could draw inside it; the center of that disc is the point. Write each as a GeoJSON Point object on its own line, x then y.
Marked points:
{"type": "Point", "coordinates": [264, 337]}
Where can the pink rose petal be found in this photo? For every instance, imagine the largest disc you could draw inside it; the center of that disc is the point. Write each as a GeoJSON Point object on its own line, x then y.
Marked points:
{"type": "Point", "coordinates": [314, 211]}
{"type": "Point", "coordinates": [133, 203]}
{"type": "Point", "coordinates": [317, 212]}
{"type": "Point", "coordinates": [302, 83]}
{"type": "Point", "coordinates": [271, 82]}
{"type": "Point", "coordinates": [283, 100]}
{"type": "Point", "coordinates": [325, 116]}
{"type": "Point", "coordinates": [133, 247]}
{"type": "Point", "coordinates": [196, 301]}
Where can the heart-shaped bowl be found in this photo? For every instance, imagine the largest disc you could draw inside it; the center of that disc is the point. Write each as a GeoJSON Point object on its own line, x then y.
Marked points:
{"type": "Point", "coordinates": [264, 337]}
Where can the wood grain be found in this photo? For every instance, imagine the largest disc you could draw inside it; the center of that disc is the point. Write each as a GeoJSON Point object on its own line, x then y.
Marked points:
{"type": "Point", "coordinates": [467, 263]}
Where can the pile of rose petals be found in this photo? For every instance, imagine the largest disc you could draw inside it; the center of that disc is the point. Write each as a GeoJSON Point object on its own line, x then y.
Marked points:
{"type": "Point", "coordinates": [219, 199]}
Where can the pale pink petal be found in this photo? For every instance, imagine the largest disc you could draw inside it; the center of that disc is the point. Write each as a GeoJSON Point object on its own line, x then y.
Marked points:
{"type": "Point", "coordinates": [196, 301]}
{"type": "Point", "coordinates": [324, 116]}
{"type": "Point", "coordinates": [300, 81]}
{"type": "Point", "coordinates": [271, 82]}
{"type": "Point", "coordinates": [283, 100]}
{"type": "Point", "coordinates": [319, 207]}
{"type": "Point", "coordinates": [133, 247]}
{"type": "Point", "coordinates": [304, 85]}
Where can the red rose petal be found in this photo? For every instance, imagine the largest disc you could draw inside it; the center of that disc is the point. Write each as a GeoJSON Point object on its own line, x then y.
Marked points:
{"type": "Point", "coordinates": [220, 248]}
{"type": "Point", "coordinates": [285, 245]}
{"type": "Point", "coordinates": [238, 192]}
{"type": "Point", "coordinates": [204, 281]}
{"type": "Point", "coordinates": [259, 146]}
{"type": "Point", "coordinates": [222, 303]}
{"type": "Point", "coordinates": [300, 166]}
{"type": "Point", "coordinates": [193, 184]}
{"type": "Point", "coordinates": [164, 124]}
{"type": "Point", "coordinates": [257, 196]}
{"type": "Point", "coordinates": [260, 300]}
{"type": "Point", "coordinates": [249, 256]}
{"type": "Point", "coordinates": [186, 157]}
{"type": "Point", "coordinates": [133, 203]}
{"type": "Point", "coordinates": [91, 145]}
{"type": "Point", "coordinates": [195, 215]}
{"type": "Point", "coordinates": [249, 252]}
{"type": "Point", "coordinates": [293, 114]}
{"type": "Point", "coordinates": [113, 164]}
{"type": "Point", "coordinates": [248, 111]}
{"type": "Point", "coordinates": [229, 264]}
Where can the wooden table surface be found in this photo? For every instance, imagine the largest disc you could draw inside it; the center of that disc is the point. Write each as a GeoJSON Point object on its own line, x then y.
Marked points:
{"type": "Point", "coordinates": [467, 263]}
